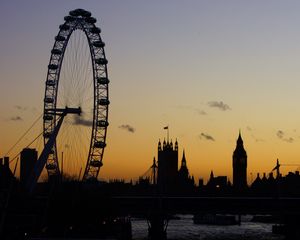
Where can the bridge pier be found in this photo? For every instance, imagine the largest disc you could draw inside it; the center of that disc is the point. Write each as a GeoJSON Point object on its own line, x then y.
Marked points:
{"type": "Point", "coordinates": [157, 226]}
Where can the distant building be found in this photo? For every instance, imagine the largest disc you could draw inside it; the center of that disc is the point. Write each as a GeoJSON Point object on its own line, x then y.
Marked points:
{"type": "Point", "coordinates": [28, 160]}
{"type": "Point", "coordinates": [186, 182]}
{"type": "Point", "coordinates": [217, 183]}
{"type": "Point", "coordinates": [5, 173]}
{"type": "Point", "coordinates": [239, 165]}
{"type": "Point", "coordinates": [183, 171]}
{"type": "Point", "coordinates": [167, 166]}
{"type": "Point", "coordinates": [287, 186]}
{"type": "Point", "coordinates": [169, 178]}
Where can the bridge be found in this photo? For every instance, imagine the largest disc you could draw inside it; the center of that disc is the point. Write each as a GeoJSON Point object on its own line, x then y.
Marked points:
{"type": "Point", "coordinates": [158, 209]}
{"type": "Point", "coordinates": [132, 205]}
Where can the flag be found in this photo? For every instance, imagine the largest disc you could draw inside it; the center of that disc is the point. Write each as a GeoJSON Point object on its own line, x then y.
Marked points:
{"type": "Point", "coordinates": [167, 127]}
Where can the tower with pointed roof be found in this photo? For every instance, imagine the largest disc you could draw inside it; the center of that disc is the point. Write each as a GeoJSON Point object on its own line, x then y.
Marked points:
{"type": "Point", "coordinates": [167, 165]}
{"type": "Point", "coordinates": [239, 165]}
{"type": "Point", "coordinates": [183, 171]}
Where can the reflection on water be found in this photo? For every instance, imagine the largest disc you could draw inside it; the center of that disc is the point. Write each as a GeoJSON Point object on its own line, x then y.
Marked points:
{"type": "Point", "coordinates": [184, 229]}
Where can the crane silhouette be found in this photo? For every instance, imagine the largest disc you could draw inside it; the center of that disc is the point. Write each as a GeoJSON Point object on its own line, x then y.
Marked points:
{"type": "Point", "coordinates": [278, 165]}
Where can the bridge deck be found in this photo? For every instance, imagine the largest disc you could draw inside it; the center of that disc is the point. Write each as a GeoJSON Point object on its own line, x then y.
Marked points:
{"type": "Point", "coordinates": [230, 205]}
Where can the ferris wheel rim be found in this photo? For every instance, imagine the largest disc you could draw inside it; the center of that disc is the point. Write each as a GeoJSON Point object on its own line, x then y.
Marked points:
{"type": "Point", "coordinates": [79, 19]}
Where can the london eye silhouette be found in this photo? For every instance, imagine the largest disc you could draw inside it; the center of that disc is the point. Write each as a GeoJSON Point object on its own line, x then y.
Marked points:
{"type": "Point", "coordinates": [75, 116]}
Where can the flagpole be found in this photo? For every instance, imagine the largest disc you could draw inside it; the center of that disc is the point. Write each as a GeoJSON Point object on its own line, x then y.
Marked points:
{"type": "Point", "coordinates": [167, 127]}
{"type": "Point", "coordinates": [168, 133]}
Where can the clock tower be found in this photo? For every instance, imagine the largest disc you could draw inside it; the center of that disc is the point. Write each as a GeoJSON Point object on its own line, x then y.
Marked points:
{"type": "Point", "coordinates": [239, 164]}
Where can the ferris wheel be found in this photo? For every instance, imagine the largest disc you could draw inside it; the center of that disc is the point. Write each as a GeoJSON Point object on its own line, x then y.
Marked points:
{"type": "Point", "coordinates": [77, 77]}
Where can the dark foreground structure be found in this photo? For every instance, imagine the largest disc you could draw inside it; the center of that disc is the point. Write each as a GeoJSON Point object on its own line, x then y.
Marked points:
{"type": "Point", "coordinates": [101, 210]}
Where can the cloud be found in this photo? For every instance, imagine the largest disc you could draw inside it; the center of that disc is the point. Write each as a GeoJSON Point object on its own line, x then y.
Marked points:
{"type": "Point", "coordinates": [24, 108]}
{"type": "Point", "coordinates": [127, 127]}
{"type": "Point", "coordinates": [200, 112]}
{"type": "Point", "coordinates": [183, 107]}
{"type": "Point", "coordinates": [257, 139]}
{"type": "Point", "coordinates": [83, 122]}
{"type": "Point", "coordinates": [253, 134]}
{"type": "Point", "coordinates": [289, 140]}
{"type": "Point", "coordinates": [21, 108]}
{"type": "Point", "coordinates": [220, 105]}
{"type": "Point", "coordinates": [16, 118]}
{"type": "Point", "coordinates": [281, 135]}
{"type": "Point", "coordinates": [206, 137]}
{"type": "Point", "coordinates": [190, 108]}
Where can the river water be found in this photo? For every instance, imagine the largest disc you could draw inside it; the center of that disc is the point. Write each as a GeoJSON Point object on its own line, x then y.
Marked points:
{"type": "Point", "coordinates": [185, 229]}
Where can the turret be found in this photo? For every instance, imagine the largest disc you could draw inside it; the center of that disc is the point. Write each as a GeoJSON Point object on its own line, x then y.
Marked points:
{"type": "Point", "coordinates": [154, 171]}
{"type": "Point", "coordinates": [211, 175]}
{"type": "Point", "coordinates": [183, 171]}
{"type": "Point", "coordinates": [183, 161]}
{"type": "Point", "coordinates": [159, 145]}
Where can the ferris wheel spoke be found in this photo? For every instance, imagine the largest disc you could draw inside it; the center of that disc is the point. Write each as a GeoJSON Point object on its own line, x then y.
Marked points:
{"type": "Point", "coordinates": [77, 62]}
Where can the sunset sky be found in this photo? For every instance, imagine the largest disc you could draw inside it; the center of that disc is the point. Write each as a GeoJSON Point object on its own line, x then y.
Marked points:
{"type": "Point", "coordinates": [207, 69]}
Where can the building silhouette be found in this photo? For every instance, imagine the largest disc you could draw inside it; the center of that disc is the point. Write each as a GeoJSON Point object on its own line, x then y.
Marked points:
{"type": "Point", "coordinates": [28, 160]}
{"type": "Point", "coordinates": [167, 166]}
{"type": "Point", "coordinates": [239, 165]}
{"type": "Point", "coordinates": [186, 182]}
{"type": "Point", "coordinates": [183, 173]}
{"type": "Point", "coordinates": [217, 183]}
{"type": "Point", "coordinates": [170, 179]}
{"type": "Point", "coordinates": [6, 175]}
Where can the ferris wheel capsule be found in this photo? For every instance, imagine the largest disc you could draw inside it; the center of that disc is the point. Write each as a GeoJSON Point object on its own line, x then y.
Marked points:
{"type": "Point", "coordinates": [66, 78]}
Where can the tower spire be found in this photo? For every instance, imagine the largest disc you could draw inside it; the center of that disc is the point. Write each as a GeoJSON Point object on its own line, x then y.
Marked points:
{"type": "Point", "coordinates": [183, 161]}
{"type": "Point", "coordinates": [240, 140]}
{"type": "Point", "coordinates": [154, 170]}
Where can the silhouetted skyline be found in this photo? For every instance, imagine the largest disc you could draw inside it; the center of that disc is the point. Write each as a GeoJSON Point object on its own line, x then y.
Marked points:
{"type": "Point", "coordinates": [206, 69]}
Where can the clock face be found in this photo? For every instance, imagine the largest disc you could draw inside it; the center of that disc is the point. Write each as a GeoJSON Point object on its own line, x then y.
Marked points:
{"type": "Point", "coordinates": [242, 161]}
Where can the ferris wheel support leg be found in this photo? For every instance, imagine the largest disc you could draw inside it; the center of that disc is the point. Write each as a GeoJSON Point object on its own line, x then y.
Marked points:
{"type": "Point", "coordinates": [40, 164]}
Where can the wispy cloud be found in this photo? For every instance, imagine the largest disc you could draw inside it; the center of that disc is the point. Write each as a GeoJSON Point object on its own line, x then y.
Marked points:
{"type": "Point", "coordinates": [127, 127]}
{"type": "Point", "coordinates": [190, 108]}
{"type": "Point", "coordinates": [16, 118]}
{"type": "Point", "coordinates": [253, 134]}
{"type": "Point", "coordinates": [83, 122]}
{"type": "Point", "coordinates": [220, 105]}
{"type": "Point", "coordinates": [200, 112]}
{"type": "Point", "coordinates": [183, 107]}
{"type": "Point", "coordinates": [21, 108]}
{"type": "Point", "coordinates": [206, 137]}
{"type": "Point", "coordinates": [281, 135]}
